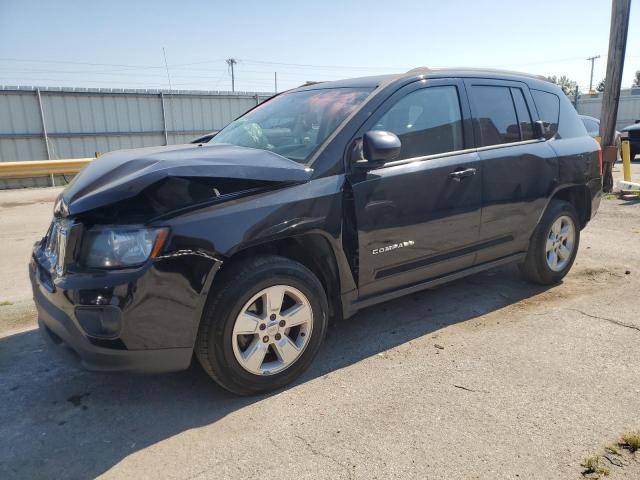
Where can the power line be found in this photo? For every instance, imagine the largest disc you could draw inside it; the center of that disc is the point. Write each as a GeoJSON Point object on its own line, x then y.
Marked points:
{"type": "Point", "coordinates": [263, 62]}
{"type": "Point", "coordinates": [162, 74]}
{"type": "Point", "coordinates": [262, 74]}
{"type": "Point", "coordinates": [103, 82]}
{"type": "Point", "coordinates": [22, 60]}
{"type": "Point", "coordinates": [307, 65]}
{"type": "Point", "coordinates": [78, 63]}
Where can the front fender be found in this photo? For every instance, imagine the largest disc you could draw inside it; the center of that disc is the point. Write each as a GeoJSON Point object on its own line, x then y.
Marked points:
{"type": "Point", "coordinates": [224, 229]}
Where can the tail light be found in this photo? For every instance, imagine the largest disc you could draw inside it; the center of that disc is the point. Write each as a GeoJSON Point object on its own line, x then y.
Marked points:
{"type": "Point", "coordinates": [599, 158]}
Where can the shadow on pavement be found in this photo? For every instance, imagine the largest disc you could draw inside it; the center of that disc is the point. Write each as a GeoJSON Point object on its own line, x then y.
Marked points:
{"type": "Point", "coordinates": [56, 421]}
{"type": "Point", "coordinates": [631, 201]}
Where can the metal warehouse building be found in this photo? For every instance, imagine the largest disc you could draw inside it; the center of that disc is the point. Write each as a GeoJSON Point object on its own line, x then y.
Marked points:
{"type": "Point", "coordinates": [59, 123]}
{"type": "Point", "coordinates": [62, 123]}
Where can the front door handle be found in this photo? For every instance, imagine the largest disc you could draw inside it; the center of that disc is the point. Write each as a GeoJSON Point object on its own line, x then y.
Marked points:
{"type": "Point", "coordinates": [460, 174]}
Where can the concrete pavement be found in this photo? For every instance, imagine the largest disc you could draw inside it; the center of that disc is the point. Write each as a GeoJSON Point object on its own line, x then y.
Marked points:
{"type": "Point", "coordinates": [488, 377]}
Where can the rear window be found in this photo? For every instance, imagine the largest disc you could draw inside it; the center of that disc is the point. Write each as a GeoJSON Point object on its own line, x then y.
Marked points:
{"type": "Point", "coordinates": [495, 115]}
{"type": "Point", "coordinates": [548, 106]}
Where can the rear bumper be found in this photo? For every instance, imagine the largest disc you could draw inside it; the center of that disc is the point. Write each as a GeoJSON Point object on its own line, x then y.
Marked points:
{"type": "Point", "coordinates": [595, 190]}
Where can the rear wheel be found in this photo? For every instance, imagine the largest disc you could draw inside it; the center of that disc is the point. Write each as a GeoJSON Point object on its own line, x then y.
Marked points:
{"type": "Point", "coordinates": [554, 244]}
{"type": "Point", "coordinates": [263, 326]}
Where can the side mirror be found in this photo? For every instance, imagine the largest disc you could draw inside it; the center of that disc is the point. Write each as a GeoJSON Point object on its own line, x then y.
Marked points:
{"type": "Point", "coordinates": [379, 147]}
{"type": "Point", "coordinates": [542, 130]}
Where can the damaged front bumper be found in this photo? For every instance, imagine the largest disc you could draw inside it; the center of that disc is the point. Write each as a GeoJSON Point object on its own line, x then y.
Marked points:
{"type": "Point", "coordinates": [142, 319]}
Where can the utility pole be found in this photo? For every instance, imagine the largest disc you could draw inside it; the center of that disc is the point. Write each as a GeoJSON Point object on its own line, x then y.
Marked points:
{"type": "Point", "coordinates": [231, 62]}
{"type": "Point", "coordinates": [615, 63]}
{"type": "Point", "coordinates": [592, 60]}
{"type": "Point", "coordinates": [275, 82]}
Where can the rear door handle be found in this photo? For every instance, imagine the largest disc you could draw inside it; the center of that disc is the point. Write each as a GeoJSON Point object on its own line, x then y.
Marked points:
{"type": "Point", "coordinates": [460, 174]}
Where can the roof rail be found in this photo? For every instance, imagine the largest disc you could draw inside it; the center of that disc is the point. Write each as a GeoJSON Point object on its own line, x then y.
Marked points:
{"type": "Point", "coordinates": [416, 70]}
{"type": "Point", "coordinates": [424, 70]}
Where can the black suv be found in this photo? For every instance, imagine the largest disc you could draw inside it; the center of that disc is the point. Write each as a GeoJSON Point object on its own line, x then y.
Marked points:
{"type": "Point", "coordinates": [320, 201]}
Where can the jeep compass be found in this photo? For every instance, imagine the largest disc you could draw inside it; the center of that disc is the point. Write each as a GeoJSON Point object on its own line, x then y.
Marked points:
{"type": "Point", "coordinates": [316, 203]}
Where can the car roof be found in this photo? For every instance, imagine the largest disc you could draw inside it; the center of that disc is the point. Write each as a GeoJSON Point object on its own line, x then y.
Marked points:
{"type": "Point", "coordinates": [423, 72]}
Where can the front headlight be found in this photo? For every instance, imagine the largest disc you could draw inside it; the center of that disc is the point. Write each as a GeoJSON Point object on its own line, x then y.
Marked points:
{"type": "Point", "coordinates": [121, 246]}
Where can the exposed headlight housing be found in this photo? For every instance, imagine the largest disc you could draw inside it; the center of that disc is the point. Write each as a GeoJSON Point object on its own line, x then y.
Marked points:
{"type": "Point", "coordinates": [117, 247]}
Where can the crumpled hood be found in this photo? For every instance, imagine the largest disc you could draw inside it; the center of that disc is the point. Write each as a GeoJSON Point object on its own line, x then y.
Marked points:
{"type": "Point", "coordinates": [123, 174]}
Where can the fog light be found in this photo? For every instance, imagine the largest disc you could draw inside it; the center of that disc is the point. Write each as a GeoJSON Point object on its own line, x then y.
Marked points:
{"type": "Point", "coordinates": [100, 322]}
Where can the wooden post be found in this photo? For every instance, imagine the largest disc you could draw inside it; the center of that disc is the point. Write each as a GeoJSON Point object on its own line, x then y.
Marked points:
{"type": "Point", "coordinates": [615, 63]}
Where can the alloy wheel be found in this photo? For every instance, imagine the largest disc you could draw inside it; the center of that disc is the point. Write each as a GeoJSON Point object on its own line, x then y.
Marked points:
{"type": "Point", "coordinates": [560, 243]}
{"type": "Point", "coordinates": [272, 330]}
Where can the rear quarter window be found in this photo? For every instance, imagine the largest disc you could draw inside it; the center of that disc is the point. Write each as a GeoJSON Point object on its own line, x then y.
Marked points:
{"type": "Point", "coordinates": [548, 105]}
{"type": "Point", "coordinates": [559, 113]}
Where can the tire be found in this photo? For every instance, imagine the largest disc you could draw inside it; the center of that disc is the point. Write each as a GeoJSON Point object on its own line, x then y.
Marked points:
{"type": "Point", "coordinates": [539, 266]}
{"type": "Point", "coordinates": [633, 152]}
{"type": "Point", "coordinates": [231, 355]}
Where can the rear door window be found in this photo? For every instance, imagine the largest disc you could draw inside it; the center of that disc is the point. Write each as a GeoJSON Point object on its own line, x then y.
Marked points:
{"type": "Point", "coordinates": [494, 114]}
{"type": "Point", "coordinates": [524, 116]}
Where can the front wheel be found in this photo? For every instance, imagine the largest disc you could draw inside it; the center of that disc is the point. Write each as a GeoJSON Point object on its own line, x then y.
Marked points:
{"type": "Point", "coordinates": [554, 245]}
{"type": "Point", "coordinates": [263, 326]}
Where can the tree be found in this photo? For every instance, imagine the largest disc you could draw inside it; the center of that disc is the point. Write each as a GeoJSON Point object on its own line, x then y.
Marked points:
{"type": "Point", "coordinates": [600, 87]}
{"type": "Point", "coordinates": [567, 85]}
{"type": "Point", "coordinates": [636, 81]}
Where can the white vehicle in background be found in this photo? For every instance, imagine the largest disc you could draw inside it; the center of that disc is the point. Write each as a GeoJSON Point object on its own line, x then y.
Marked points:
{"type": "Point", "coordinates": [592, 125]}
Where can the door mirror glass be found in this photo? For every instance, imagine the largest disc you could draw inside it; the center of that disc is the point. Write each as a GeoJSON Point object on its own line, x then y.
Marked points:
{"type": "Point", "coordinates": [379, 147]}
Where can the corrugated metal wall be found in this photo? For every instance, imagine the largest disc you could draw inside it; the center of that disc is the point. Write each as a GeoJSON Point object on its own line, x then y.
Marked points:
{"type": "Point", "coordinates": [81, 122]}
{"type": "Point", "coordinates": [20, 127]}
{"type": "Point", "coordinates": [628, 107]}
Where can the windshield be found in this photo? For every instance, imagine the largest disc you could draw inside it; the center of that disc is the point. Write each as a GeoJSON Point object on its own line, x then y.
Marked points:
{"type": "Point", "coordinates": [293, 124]}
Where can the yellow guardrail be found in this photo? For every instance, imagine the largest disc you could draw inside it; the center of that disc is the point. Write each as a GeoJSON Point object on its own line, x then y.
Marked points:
{"type": "Point", "coordinates": [34, 168]}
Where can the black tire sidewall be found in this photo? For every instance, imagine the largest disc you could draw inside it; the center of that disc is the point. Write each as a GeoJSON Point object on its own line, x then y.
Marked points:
{"type": "Point", "coordinates": [224, 363]}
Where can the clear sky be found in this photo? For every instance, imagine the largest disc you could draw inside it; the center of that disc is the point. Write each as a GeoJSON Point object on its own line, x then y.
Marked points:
{"type": "Point", "coordinates": [119, 43]}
